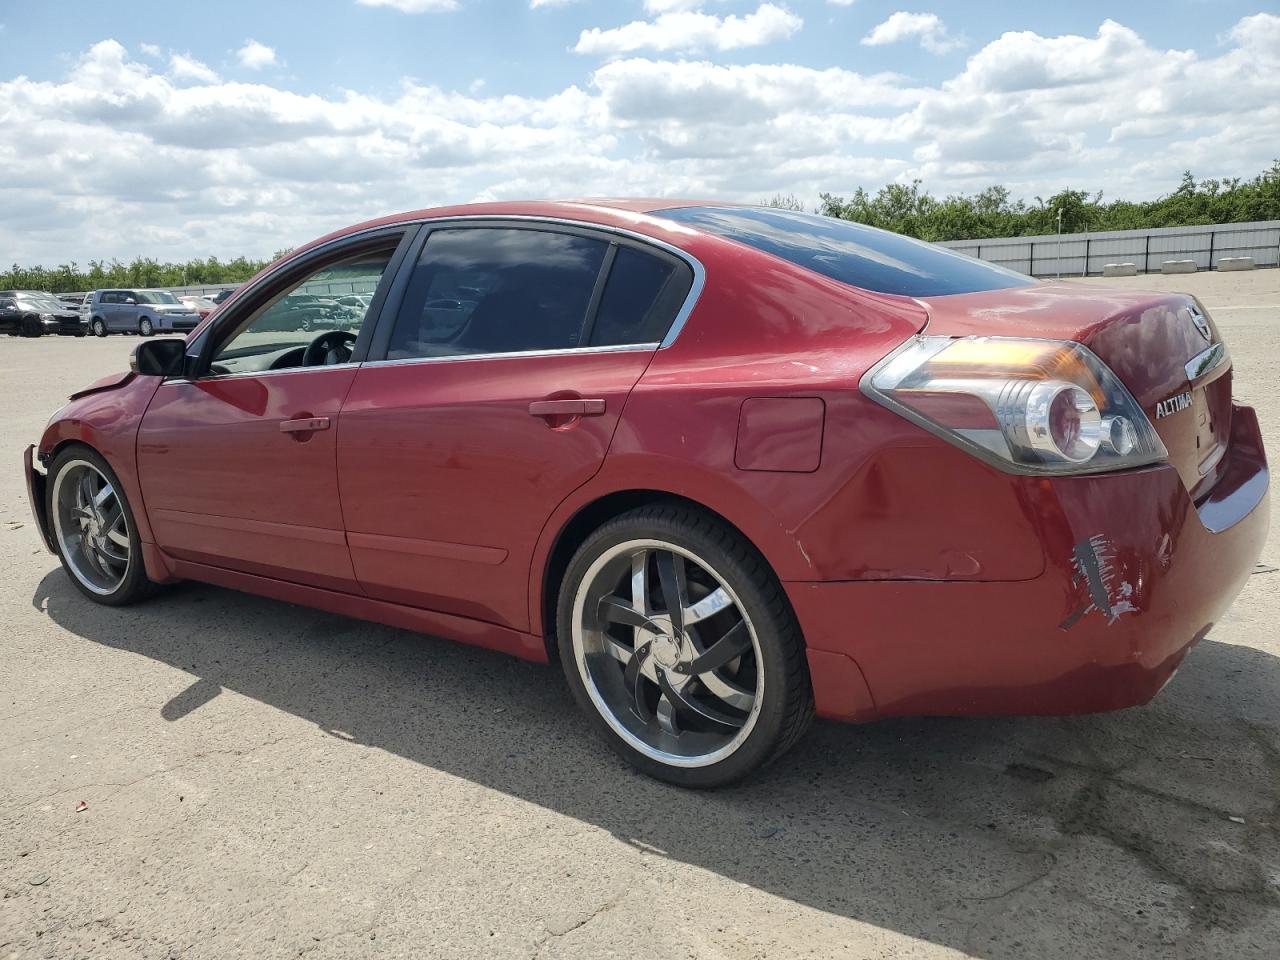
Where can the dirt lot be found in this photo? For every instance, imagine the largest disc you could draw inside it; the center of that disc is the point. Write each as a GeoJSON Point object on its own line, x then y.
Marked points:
{"type": "Point", "coordinates": [268, 781]}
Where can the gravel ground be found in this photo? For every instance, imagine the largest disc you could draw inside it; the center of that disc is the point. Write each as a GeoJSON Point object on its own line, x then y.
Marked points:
{"type": "Point", "coordinates": [269, 781]}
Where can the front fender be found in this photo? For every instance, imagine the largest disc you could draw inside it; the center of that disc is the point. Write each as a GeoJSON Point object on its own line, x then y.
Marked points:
{"type": "Point", "coordinates": [107, 420]}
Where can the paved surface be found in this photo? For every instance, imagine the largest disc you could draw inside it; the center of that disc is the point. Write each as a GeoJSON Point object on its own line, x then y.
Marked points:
{"type": "Point", "coordinates": [268, 781]}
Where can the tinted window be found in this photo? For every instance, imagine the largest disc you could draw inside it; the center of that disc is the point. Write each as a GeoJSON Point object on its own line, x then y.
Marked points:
{"type": "Point", "coordinates": [641, 298]}
{"type": "Point", "coordinates": [852, 253]}
{"type": "Point", "coordinates": [497, 290]}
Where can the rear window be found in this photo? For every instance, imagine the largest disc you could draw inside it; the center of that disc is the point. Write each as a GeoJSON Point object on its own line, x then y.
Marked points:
{"type": "Point", "coordinates": [852, 253]}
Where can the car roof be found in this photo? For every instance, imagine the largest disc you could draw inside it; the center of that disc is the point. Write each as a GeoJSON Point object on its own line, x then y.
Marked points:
{"type": "Point", "coordinates": [622, 212]}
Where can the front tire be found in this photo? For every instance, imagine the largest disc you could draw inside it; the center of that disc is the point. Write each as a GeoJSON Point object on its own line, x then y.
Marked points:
{"type": "Point", "coordinates": [94, 529]}
{"type": "Point", "coordinates": [145, 327]}
{"type": "Point", "coordinates": [679, 644]}
{"type": "Point", "coordinates": [31, 327]}
{"type": "Point", "coordinates": [99, 328]}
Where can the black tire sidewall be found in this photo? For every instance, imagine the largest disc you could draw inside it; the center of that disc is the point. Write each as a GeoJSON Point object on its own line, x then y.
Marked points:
{"type": "Point", "coordinates": [647, 524]}
{"type": "Point", "coordinates": [136, 584]}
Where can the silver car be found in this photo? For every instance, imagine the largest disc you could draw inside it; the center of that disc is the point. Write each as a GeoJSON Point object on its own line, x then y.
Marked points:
{"type": "Point", "coordinates": [137, 311]}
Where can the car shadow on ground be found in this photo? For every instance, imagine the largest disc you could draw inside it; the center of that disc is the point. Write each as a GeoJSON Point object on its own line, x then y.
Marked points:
{"type": "Point", "coordinates": [1005, 838]}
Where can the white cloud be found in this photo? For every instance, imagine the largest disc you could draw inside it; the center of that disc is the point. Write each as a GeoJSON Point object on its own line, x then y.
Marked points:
{"type": "Point", "coordinates": [255, 55]}
{"type": "Point", "coordinates": [180, 169]}
{"type": "Point", "coordinates": [186, 67]}
{"type": "Point", "coordinates": [927, 28]}
{"type": "Point", "coordinates": [841, 3]}
{"type": "Point", "coordinates": [150, 49]}
{"type": "Point", "coordinates": [413, 6]}
{"type": "Point", "coordinates": [535, 4]}
{"type": "Point", "coordinates": [682, 29]}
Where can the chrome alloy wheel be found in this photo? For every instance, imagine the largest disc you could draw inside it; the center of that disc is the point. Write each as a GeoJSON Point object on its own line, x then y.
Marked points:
{"type": "Point", "coordinates": [667, 653]}
{"type": "Point", "coordinates": [91, 527]}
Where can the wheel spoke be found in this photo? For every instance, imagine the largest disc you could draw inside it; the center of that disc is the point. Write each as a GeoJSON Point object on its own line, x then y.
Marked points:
{"type": "Point", "coordinates": [689, 703]}
{"type": "Point", "coordinates": [613, 610]}
{"type": "Point", "coordinates": [634, 680]}
{"type": "Point", "coordinates": [732, 645]}
{"type": "Point", "coordinates": [717, 600]}
{"type": "Point", "coordinates": [103, 495]}
{"type": "Point", "coordinates": [675, 591]}
{"type": "Point", "coordinates": [732, 694]}
{"type": "Point", "coordinates": [667, 716]}
{"type": "Point", "coordinates": [107, 550]}
{"type": "Point", "coordinates": [640, 581]}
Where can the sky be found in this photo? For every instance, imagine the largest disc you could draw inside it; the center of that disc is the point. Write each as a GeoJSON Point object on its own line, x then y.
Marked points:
{"type": "Point", "coordinates": [179, 129]}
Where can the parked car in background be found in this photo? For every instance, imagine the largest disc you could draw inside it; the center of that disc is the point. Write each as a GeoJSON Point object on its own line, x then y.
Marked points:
{"type": "Point", "coordinates": [731, 466]}
{"type": "Point", "coordinates": [143, 312]}
{"type": "Point", "coordinates": [356, 303]}
{"type": "Point", "coordinates": [72, 299]}
{"type": "Point", "coordinates": [201, 305]}
{"type": "Point", "coordinates": [307, 312]}
{"type": "Point", "coordinates": [31, 313]}
{"type": "Point", "coordinates": [221, 295]}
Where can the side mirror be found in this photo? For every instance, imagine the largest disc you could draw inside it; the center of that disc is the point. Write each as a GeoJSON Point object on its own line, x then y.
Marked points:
{"type": "Point", "coordinates": [130, 300]}
{"type": "Point", "coordinates": [159, 358]}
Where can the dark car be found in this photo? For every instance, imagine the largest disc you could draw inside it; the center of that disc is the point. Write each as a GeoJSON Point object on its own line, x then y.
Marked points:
{"type": "Point", "coordinates": [306, 312]}
{"type": "Point", "coordinates": [730, 466]}
{"type": "Point", "coordinates": [221, 295]}
{"type": "Point", "coordinates": [30, 313]}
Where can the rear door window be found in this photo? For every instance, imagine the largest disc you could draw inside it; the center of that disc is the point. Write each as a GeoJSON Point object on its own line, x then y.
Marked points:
{"type": "Point", "coordinates": [642, 296]}
{"type": "Point", "coordinates": [495, 290]}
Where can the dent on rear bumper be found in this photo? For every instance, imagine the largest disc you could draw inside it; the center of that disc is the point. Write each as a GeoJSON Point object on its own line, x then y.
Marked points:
{"type": "Point", "coordinates": [1136, 574]}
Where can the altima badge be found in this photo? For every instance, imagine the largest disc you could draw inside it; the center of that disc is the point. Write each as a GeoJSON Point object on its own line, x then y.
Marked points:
{"type": "Point", "coordinates": [1173, 405]}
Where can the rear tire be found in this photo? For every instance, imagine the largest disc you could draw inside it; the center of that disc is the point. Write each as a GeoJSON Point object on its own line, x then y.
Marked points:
{"type": "Point", "coordinates": [94, 530]}
{"type": "Point", "coordinates": [633, 666]}
{"type": "Point", "coordinates": [145, 327]}
{"type": "Point", "coordinates": [99, 328]}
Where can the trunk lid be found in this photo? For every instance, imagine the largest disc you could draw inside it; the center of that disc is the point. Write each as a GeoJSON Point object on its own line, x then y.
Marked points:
{"type": "Point", "coordinates": [1163, 346]}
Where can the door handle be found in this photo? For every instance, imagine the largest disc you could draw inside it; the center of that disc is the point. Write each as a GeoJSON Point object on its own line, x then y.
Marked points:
{"type": "Point", "coordinates": [305, 425]}
{"type": "Point", "coordinates": [566, 408]}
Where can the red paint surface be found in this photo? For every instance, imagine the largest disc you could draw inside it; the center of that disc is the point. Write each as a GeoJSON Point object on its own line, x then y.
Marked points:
{"type": "Point", "coordinates": [780, 434]}
{"type": "Point", "coordinates": [925, 581]}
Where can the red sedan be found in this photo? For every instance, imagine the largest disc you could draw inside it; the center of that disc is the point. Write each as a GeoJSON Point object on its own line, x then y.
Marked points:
{"type": "Point", "coordinates": [730, 466]}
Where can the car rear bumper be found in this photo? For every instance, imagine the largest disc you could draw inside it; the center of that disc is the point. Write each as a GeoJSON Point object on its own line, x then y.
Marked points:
{"type": "Point", "coordinates": [36, 496]}
{"type": "Point", "coordinates": [1135, 574]}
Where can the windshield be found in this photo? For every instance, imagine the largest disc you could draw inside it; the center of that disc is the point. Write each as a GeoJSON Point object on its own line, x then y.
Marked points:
{"type": "Point", "coordinates": [42, 301]}
{"type": "Point", "coordinates": [852, 253]}
{"type": "Point", "coordinates": [156, 296]}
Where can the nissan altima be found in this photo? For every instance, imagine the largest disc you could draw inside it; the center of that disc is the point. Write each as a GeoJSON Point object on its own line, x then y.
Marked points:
{"type": "Point", "coordinates": [730, 466]}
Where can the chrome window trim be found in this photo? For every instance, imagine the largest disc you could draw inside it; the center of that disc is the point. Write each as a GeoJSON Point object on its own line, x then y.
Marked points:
{"type": "Point", "coordinates": [517, 354]}
{"type": "Point", "coordinates": [564, 352]}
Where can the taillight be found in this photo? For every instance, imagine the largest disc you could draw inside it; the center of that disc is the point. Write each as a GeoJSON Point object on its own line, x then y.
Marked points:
{"type": "Point", "coordinates": [1027, 406]}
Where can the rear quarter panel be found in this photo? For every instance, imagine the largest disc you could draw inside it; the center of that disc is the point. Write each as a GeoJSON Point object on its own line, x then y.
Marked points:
{"type": "Point", "coordinates": [886, 501]}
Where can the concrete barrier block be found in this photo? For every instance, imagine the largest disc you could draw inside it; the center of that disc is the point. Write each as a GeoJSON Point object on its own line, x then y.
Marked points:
{"type": "Point", "coordinates": [1120, 270]}
{"type": "Point", "coordinates": [1178, 266]}
{"type": "Point", "coordinates": [1236, 263]}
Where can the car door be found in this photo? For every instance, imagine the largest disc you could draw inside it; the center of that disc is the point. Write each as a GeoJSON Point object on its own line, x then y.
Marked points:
{"type": "Point", "coordinates": [236, 459]}
{"type": "Point", "coordinates": [8, 314]}
{"type": "Point", "coordinates": [487, 402]}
